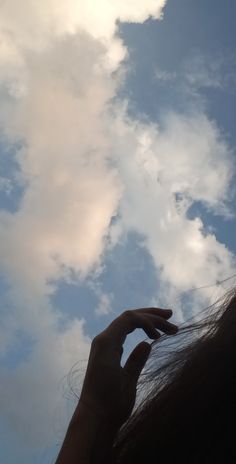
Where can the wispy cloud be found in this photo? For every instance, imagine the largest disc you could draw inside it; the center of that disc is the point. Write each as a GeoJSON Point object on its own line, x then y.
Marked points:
{"type": "Point", "coordinates": [201, 71]}
{"type": "Point", "coordinates": [5, 185]}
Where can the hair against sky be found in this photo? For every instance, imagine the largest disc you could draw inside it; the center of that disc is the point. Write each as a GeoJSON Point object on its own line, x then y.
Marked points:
{"type": "Point", "coordinates": [117, 173]}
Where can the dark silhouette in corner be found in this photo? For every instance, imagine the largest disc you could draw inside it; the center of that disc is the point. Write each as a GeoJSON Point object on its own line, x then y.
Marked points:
{"type": "Point", "coordinates": [187, 411]}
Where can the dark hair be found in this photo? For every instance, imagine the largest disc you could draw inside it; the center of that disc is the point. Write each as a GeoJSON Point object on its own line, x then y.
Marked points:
{"type": "Point", "coordinates": [187, 410]}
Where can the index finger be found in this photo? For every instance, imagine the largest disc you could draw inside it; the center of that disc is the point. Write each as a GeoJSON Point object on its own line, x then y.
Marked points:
{"type": "Point", "coordinates": [129, 320]}
{"type": "Point", "coordinates": [166, 313]}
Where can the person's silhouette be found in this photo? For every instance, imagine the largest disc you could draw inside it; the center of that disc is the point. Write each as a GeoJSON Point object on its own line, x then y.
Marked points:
{"type": "Point", "coordinates": [188, 413]}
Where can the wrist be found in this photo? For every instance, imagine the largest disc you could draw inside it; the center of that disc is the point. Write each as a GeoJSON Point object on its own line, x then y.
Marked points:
{"type": "Point", "coordinates": [96, 415]}
{"type": "Point", "coordinates": [96, 423]}
{"type": "Point", "coordinates": [100, 431]}
{"type": "Point", "coordinates": [89, 438]}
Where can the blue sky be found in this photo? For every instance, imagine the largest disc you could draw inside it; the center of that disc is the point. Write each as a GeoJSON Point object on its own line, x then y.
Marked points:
{"type": "Point", "coordinates": [117, 175]}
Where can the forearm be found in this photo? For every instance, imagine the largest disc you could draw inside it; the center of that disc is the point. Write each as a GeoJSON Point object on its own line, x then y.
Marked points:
{"type": "Point", "coordinates": [88, 439]}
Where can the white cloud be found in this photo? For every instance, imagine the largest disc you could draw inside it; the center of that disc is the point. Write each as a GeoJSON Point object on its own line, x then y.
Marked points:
{"type": "Point", "coordinates": [72, 191]}
{"type": "Point", "coordinates": [200, 71]}
{"type": "Point", "coordinates": [5, 185]}
{"type": "Point", "coordinates": [187, 156]}
{"type": "Point", "coordinates": [165, 76]}
{"type": "Point", "coordinates": [31, 394]}
{"type": "Point", "coordinates": [205, 71]}
{"type": "Point", "coordinates": [104, 306]}
{"type": "Point", "coordinates": [32, 26]}
{"type": "Point", "coordinates": [56, 65]}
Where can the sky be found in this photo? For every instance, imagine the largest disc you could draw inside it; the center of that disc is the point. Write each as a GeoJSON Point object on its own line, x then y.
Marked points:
{"type": "Point", "coordinates": [117, 187]}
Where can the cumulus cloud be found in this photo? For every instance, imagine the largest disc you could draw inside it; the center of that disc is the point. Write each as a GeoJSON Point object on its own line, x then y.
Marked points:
{"type": "Point", "coordinates": [165, 170]}
{"type": "Point", "coordinates": [57, 63]}
{"type": "Point", "coordinates": [31, 26]}
{"type": "Point", "coordinates": [32, 392]}
{"type": "Point", "coordinates": [72, 192]}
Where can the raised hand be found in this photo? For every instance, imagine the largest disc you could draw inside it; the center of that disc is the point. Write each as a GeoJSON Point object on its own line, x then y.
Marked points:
{"type": "Point", "coordinates": [109, 390]}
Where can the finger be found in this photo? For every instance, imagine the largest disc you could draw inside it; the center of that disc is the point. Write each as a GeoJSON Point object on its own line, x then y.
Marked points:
{"type": "Point", "coordinates": [149, 327]}
{"type": "Point", "coordinates": [149, 323]}
{"type": "Point", "coordinates": [162, 324]}
{"type": "Point", "coordinates": [166, 313]}
{"type": "Point", "coordinates": [126, 323]}
{"type": "Point", "coordinates": [137, 360]}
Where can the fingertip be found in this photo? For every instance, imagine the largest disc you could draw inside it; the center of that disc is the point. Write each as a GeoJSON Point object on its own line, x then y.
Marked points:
{"type": "Point", "coordinates": [174, 330]}
{"type": "Point", "coordinates": [146, 344]}
{"type": "Point", "coordinates": [168, 312]}
{"type": "Point", "coordinates": [156, 335]}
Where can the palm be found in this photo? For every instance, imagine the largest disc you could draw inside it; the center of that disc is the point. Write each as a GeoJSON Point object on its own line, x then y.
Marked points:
{"type": "Point", "coordinates": [110, 389]}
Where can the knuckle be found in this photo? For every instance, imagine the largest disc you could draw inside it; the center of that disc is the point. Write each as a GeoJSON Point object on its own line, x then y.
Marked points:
{"type": "Point", "coordinates": [162, 323]}
{"type": "Point", "coordinates": [94, 341]}
{"type": "Point", "coordinates": [99, 340]}
{"type": "Point", "coordinates": [128, 313]}
{"type": "Point", "coordinates": [166, 326]}
{"type": "Point", "coordinates": [151, 327]}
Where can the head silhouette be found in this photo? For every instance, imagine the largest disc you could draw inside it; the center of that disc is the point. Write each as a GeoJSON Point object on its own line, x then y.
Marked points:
{"type": "Point", "coordinates": [188, 408]}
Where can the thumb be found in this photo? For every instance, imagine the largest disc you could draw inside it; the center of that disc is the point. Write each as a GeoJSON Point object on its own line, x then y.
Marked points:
{"type": "Point", "coordinates": [137, 360]}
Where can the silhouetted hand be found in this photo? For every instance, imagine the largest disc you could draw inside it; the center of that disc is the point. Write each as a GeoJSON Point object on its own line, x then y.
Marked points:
{"type": "Point", "coordinates": [109, 389]}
